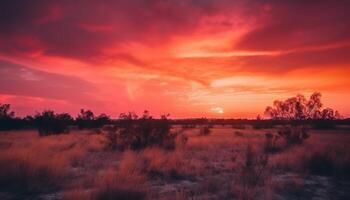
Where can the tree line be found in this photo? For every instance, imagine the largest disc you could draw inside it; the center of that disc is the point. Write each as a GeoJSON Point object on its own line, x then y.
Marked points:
{"type": "Point", "coordinates": [48, 121]}
{"type": "Point", "coordinates": [298, 109]}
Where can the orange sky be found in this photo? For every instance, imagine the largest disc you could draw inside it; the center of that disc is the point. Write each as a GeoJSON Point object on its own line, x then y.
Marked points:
{"type": "Point", "coordinates": [189, 58]}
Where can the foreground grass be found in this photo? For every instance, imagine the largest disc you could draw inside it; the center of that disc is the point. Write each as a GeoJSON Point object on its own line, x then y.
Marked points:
{"type": "Point", "coordinates": [225, 164]}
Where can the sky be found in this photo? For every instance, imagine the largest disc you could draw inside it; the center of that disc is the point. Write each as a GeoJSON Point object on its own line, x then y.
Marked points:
{"type": "Point", "coordinates": [189, 58]}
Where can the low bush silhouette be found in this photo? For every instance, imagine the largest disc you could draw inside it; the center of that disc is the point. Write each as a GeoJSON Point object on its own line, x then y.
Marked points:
{"type": "Point", "coordinates": [111, 134]}
{"type": "Point", "coordinates": [204, 130]}
{"type": "Point", "coordinates": [86, 119]}
{"type": "Point", "coordinates": [293, 134]}
{"type": "Point", "coordinates": [49, 123]}
{"type": "Point", "coordinates": [137, 133]}
{"type": "Point", "coordinates": [8, 120]}
{"type": "Point", "coordinates": [271, 144]}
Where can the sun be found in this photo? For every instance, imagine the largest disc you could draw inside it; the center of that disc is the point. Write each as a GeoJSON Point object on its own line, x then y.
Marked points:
{"type": "Point", "coordinates": [218, 110]}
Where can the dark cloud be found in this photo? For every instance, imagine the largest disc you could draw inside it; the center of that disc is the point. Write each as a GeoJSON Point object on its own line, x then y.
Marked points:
{"type": "Point", "coordinates": [82, 29]}
{"type": "Point", "coordinates": [338, 57]}
{"type": "Point", "coordinates": [21, 81]}
{"type": "Point", "coordinates": [295, 24]}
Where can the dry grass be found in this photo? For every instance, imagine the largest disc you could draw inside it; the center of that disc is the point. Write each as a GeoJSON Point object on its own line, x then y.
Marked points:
{"type": "Point", "coordinates": [214, 166]}
{"type": "Point", "coordinates": [155, 163]}
{"type": "Point", "coordinates": [324, 154]}
{"type": "Point", "coordinates": [34, 165]}
{"type": "Point", "coordinates": [112, 184]}
{"type": "Point", "coordinates": [120, 185]}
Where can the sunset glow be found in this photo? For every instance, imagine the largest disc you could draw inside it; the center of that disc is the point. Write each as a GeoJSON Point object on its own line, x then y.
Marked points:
{"type": "Point", "coordinates": [194, 58]}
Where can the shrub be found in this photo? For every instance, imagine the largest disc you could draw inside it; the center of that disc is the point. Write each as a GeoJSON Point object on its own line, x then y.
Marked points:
{"type": "Point", "coordinates": [49, 123]}
{"type": "Point", "coordinates": [181, 139]}
{"type": "Point", "coordinates": [138, 133]}
{"type": "Point", "coordinates": [294, 134]}
{"type": "Point", "coordinates": [86, 119]}
{"type": "Point", "coordinates": [271, 144]}
{"type": "Point", "coordinates": [252, 173]}
{"type": "Point", "coordinates": [7, 118]}
{"type": "Point", "coordinates": [204, 130]}
{"type": "Point", "coordinates": [111, 137]}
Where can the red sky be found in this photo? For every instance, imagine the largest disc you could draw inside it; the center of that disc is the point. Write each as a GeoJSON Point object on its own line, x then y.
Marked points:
{"type": "Point", "coordinates": [189, 58]}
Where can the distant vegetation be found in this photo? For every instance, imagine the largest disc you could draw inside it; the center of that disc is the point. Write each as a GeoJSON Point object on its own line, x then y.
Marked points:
{"type": "Point", "coordinates": [87, 120]}
{"type": "Point", "coordinates": [50, 123]}
{"type": "Point", "coordinates": [204, 130]}
{"type": "Point", "coordinates": [296, 110]}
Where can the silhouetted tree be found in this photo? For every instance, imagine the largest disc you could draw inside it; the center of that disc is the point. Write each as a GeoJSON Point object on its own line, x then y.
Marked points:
{"type": "Point", "coordinates": [85, 119]}
{"type": "Point", "coordinates": [300, 108]}
{"type": "Point", "coordinates": [101, 120]}
{"type": "Point", "coordinates": [5, 111]}
{"type": "Point", "coordinates": [7, 118]}
{"type": "Point", "coordinates": [297, 109]}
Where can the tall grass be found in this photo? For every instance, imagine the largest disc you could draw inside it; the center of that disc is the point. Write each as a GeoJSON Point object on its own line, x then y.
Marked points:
{"type": "Point", "coordinates": [155, 163]}
{"type": "Point", "coordinates": [33, 165]}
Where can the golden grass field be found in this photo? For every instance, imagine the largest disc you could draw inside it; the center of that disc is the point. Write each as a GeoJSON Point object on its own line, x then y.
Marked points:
{"type": "Point", "coordinates": [76, 166]}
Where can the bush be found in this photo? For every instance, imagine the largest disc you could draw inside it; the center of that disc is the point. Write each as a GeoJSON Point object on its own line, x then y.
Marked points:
{"type": "Point", "coordinates": [138, 133]}
{"type": "Point", "coordinates": [271, 144]}
{"type": "Point", "coordinates": [86, 119]}
{"type": "Point", "coordinates": [204, 130]}
{"type": "Point", "coordinates": [111, 134]}
{"type": "Point", "coordinates": [49, 123]}
{"type": "Point", "coordinates": [294, 134]}
{"type": "Point", "coordinates": [253, 172]}
{"type": "Point", "coordinates": [8, 121]}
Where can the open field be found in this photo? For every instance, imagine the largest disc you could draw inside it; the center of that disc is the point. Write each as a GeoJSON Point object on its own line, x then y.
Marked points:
{"type": "Point", "coordinates": [226, 164]}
